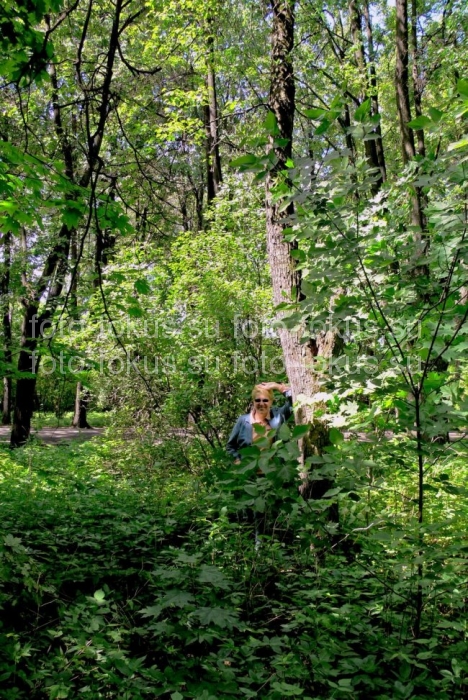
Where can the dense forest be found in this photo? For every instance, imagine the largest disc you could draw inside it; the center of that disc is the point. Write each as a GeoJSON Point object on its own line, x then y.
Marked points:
{"type": "Point", "coordinates": [197, 198]}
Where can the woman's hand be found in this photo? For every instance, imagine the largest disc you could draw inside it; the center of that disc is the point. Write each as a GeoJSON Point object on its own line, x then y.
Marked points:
{"type": "Point", "coordinates": [274, 385]}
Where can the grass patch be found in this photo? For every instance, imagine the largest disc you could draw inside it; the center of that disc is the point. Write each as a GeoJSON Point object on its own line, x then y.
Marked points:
{"type": "Point", "coordinates": [96, 419]}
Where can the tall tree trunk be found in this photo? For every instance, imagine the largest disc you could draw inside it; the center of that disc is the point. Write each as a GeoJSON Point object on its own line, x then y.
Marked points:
{"type": "Point", "coordinates": [360, 58]}
{"type": "Point", "coordinates": [401, 81]}
{"type": "Point", "coordinates": [379, 147]}
{"type": "Point", "coordinates": [25, 385]}
{"type": "Point", "coordinates": [73, 294]}
{"type": "Point", "coordinates": [403, 105]}
{"type": "Point", "coordinates": [213, 159]}
{"type": "Point", "coordinates": [80, 417]}
{"type": "Point", "coordinates": [417, 79]}
{"type": "Point", "coordinates": [300, 358]}
{"type": "Point", "coordinates": [6, 324]}
{"type": "Point", "coordinates": [56, 265]}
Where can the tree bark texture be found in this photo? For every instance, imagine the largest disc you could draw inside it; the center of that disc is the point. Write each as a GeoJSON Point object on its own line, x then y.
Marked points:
{"type": "Point", "coordinates": [402, 80]}
{"type": "Point", "coordinates": [379, 147]}
{"type": "Point", "coordinates": [361, 62]}
{"type": "Point", "coordinates": [404, 108]}
{"type": "Point", "coordinates": [80, 417]}
{"type": "Point", "coordinates": [300, 358]}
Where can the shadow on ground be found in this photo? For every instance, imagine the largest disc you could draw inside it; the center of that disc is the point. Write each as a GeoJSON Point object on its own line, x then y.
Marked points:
{"type": "Point", "coordinates": [52, 436]}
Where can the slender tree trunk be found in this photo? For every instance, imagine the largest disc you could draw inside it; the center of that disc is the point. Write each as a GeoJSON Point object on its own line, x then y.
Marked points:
{"type": "Point", "coordinates": [6, 324]}
{"type": "Point", "coordinates": [73, 298]}
{"type": "Point", "coordinates": [345, 123]}
{"type": "Point", "coordinates": [360, 58]}
{"type": "Point", "coordinates": [403, 106]}
{"type": "Point", "coordinates": [213, 159]}
{"type": "Point", "coordinates": [56, 265]}
{"type": "Point", "coordinates": [379, 147]}
{"type": "Point", "coordinates": [417, 79]}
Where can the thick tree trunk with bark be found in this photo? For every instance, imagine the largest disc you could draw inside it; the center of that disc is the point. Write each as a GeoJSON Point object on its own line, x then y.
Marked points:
{"type": "Point", "coordinates": [80, 417]}
{"type": "Point", "coordinates": [304, 361]}
{"type": "Point", "coordinates": [25, 385]}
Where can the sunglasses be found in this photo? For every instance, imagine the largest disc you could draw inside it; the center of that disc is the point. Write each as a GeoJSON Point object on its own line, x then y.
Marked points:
{"type": "Point", "coordinates": [262, 400]}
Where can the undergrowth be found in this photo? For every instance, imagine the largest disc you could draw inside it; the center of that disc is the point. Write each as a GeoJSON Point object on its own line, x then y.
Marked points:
{"type": "Point", "coordinates": [120, 581]}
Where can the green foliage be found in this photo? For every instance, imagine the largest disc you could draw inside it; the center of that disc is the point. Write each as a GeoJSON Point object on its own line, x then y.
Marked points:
{"type": "Point", "coordinates": [25, 50]}
{"type": "Point", "coordinates": [129, 583]}
{"type": "Point", "coordinates": [122, 575]}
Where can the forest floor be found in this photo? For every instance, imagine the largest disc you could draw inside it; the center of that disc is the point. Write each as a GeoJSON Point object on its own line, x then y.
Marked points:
{"type": "Point", "coordinates": [52, 436]}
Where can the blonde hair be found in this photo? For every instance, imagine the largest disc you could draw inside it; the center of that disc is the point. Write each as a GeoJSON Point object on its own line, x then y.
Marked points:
{"type": "Point", "coordinates": [259, 389]}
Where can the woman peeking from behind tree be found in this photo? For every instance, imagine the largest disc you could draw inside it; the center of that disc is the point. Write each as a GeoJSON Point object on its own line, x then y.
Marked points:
{"type": "Point", "coordinates": [263, 413]}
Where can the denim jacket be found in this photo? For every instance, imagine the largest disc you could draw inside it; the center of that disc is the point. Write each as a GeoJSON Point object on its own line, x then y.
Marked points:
{"type": "Point", "coordinates": [241, 435]}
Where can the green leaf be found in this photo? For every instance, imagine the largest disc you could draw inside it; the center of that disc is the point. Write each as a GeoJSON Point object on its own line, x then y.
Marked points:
{"type": "Point", "coordinates": [322, 128]}
{"type": "Point", "coordinates": [287, 689]}
{"type": "Point", "coordinates": [315, 113]}
{"type": "Point", "coordinates": [436, 115]}
{"type": "Point", "coordinates": [142, 286]}
{"type": "Point", "coordinates": [307, 289]}
{"type": "Point", "coordinates": [99, 595]}
{"type": "Point", "coordinates": [212, 575]}
{"type": "Point", "coordinates": [299, 431]}
{"type": "Point", "coordinates": [271, 125]}
{"type": "Point", "coordinates": [178, 598]}
{"type": "Point", "coordinates": [245, 161]}
{"type": "Point", "coordinates": [298, 254]}
{"type": "Point", "coordinates": [177, 696]}
{"type": "Point", "coordinates": [287, 471]}
{"type": "Point", "coordinates": [332, 492]}
{"type": "Point", "coordinates": [336, 436]}
{"type": "Point", "coordinates": [220, 617]}
{"type": "Point", "coordinates": [259, 504]}
{"type": "Point", "coordinates": [135, 311]}
{"type": "Point", "coordinates": [11, 541]}
{"type": "Point", "coordinates": [362, 111]}
{"type": "Point", "coordinates": [284, 433]}
{"type": "Point", "coordinates": [152, 611]}
{"type": "Point", "coordinates": [71, 217]}
{"type": "Point", "coordinates": [458, 144]}
{"type": "Point", "coordinates": [420, 122]}
{"type": "Point", "coordinates": [462, 87]}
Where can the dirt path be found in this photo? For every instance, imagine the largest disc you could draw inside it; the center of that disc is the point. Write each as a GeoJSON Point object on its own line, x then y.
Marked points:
{"type": "Point", "coordinates": [52, 436]}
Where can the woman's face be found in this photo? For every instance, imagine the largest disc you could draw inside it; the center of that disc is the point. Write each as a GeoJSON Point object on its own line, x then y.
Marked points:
{"type": "Point", "coordinates": [262, 403]}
